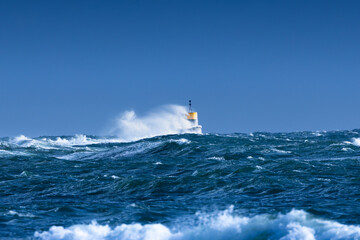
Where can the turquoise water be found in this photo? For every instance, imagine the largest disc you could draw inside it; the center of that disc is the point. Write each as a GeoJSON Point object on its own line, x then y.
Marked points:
{"type": "Point", "coordinates": [301, 185]}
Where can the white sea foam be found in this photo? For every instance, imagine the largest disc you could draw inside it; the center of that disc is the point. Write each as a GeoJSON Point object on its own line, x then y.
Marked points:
{"type": "Point", "coordinates": [295, 225]}
{"type": "Point", "coordinates": [80, 140]}
{"type": "Point", "coordinates": [280, 151]}
{"type": "Point", "coordinates": [180, 141]}
{"type": "Point", "coordinates": [24, 141]}
{"type": "Point", "coordinates": [15, 213]}
{"type": "Point", "coordinates": [355, 141]}
{"type": "Point", "coordinates": [216, 158]}
{"type": "Point", "coordinates": [170, 119]}
{"type": "Point", "coordinates": [316, 134]}
{"type": "Point", "coordinates": [59, 142]}
{"type": "Point", "coordinates": [22, 138]}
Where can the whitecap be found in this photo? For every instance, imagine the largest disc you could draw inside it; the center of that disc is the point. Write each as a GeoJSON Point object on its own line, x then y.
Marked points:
{"type": "Point", "coordinates": [81, 140]}
{"type": "Point", "coordinates": [280, 151]}
{"type": "Point", "coordinates": [15, 213]}
{"type": "Point", "coordinates": [60, 142]}
{"type": "Point", "coordinates": [21, 138]}
{"type": "Point", "coordinates": [180, 141]}
{"type": "Point", "coordinates": [216, 158]}
{"type": "Point", "coordinates": [316, 134]}
{"type": "Point", "coordinates": [295, 225]}
{"type": "Point", "coordinates": [355, 141]}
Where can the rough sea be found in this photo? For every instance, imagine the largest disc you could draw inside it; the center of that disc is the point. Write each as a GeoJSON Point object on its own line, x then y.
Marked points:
{"type": "Point", "coordinates": [300, 185]}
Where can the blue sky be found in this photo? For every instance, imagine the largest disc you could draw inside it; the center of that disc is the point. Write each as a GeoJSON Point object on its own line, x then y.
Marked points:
{"type": "Point", "coordinates": [71, 67]}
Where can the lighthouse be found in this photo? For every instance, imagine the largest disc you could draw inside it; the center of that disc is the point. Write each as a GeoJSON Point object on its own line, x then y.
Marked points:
{"type": "Point", "coordinates": [192, 116]}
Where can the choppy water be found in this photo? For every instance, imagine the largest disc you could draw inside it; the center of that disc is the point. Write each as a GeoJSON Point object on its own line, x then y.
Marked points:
{"type": "Point", "coordinates": [303, 185]}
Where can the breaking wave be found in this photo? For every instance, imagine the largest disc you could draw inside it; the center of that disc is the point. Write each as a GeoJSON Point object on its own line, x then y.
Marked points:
{"type": "Point", "coordinates": [59, 142]}
{"type": "Point", "coordinates": [295, 225]}
{"type": "Point", "coordinates": [166, 120]}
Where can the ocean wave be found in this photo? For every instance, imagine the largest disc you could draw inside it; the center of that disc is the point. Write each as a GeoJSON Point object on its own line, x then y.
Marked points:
{"type": "Point", "coordinates": [116, 152]}
{"type": "Point", "coordinates": [23, 141]}
{"type": "Point", "coordinates": [295, 225]}
{"type": "Point", "coordinates": [81, 140]}
{"type": "Point", "coordinates": [124, 151]}
{"type": "Point", "coordinates": [5, 152]}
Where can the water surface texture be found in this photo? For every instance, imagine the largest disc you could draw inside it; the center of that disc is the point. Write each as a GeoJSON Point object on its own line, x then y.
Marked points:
{"type": "Point", "coordinates": [302, 185]}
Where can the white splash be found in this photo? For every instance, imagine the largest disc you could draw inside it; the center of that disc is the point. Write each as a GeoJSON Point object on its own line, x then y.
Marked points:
{"type": "Point", "coordinates": [21, 138]}
{"type": "Point", "coordinates": [295, 225]}
{"type": "Point", "coordinates": [170, 119]}
{"type": "Point", "coordinates": [355, 141]}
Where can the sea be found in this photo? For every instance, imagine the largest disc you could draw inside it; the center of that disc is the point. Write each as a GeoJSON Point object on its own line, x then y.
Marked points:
{"type": "Point", "coordinates": [288, 186]}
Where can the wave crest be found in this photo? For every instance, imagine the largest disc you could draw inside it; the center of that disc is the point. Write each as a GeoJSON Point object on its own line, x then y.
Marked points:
{"type": "Point", "coordinates": [295, 225]}
{"type": "Point", "coordinates": [59, 142]}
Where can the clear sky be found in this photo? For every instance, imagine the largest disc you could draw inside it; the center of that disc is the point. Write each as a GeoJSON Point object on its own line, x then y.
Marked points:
{"type": "Point", "coordinates": [71, 67]}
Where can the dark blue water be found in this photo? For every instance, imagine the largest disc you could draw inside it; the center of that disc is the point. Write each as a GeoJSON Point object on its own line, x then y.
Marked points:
{"type": "Point", "coordinates": [303, 185]}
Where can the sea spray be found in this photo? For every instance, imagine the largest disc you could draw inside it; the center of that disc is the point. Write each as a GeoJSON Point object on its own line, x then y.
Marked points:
{"type": "Point", "coordinates": [169, 119]}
